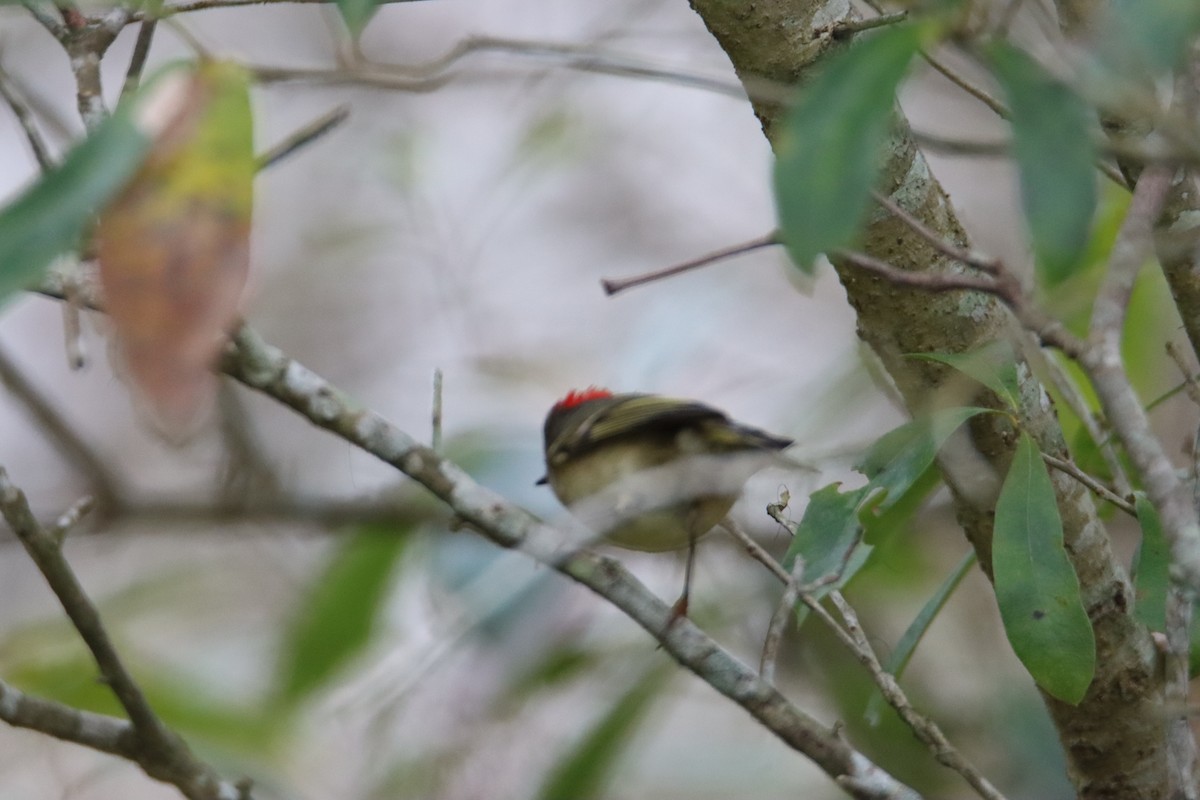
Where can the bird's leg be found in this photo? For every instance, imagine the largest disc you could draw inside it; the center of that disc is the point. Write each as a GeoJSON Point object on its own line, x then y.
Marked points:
{"type": "Point", "coordinates": [680, 609]}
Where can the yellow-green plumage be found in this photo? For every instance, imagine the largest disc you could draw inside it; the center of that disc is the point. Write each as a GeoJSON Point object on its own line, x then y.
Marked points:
{"type": "Point", "coordinates": [650, 473]}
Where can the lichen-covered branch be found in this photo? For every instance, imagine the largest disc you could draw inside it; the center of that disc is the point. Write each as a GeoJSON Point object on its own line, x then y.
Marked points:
{"type": "Point", "coordinates": [265, 368]}
{"type": "Point", "coordinates": [1114, 738]}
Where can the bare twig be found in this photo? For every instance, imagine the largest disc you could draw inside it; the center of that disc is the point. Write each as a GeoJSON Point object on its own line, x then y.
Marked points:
{"type": "Point", "coordinates": [847, 28]}
{"type": "Point", "coordinates": [304, 136]}
{"type": "Point", "coordinates": [319, 512]}
{"type": "Point", "coordinates": [436, 73]}
{"type": "Point", "coordinates": [24, 115]}
{"type": "Point", "coordinates": [924, 728]}
{"type": "Point", "coordinates": [968, 86]}
{"type": "Point", "coordinates": [47, 21]}
{"type": "Point", "coordinates": [159, 751]}
{"type": "Point", "coordinates": [779, 620]}
{"type": "Point", "coordinates": [246, 469]}
{"type": "Point", "coordinates": [1097, 488]}
{"type": "Point", "coordinates": [205, 5]}
{"type": "Point", "coordinates": [137, 61]}
{"type": "Point", "coordinates": [96, 731]}
{"type": "Point", "coordinates": [970, 148]}
{"type": "Point", "coordinates": [928, 281]}
{"type": "Point", "coordinates": [855, 641]}
{"type": "Point", "coordinates": [74, 449]}
{"type": "Point", "coordinates": [614, 285]}
{"type": "Point", "coordinates": [1093, 422]}
{"type": "Point", "coordinates": [1191, 384]}
{"type": "Point", "coordinates": [435, 440]}
{"type": "Point", "coordinates": [73, 317]}
{"type": "Point", "coordinates": [979, 261]}
{"type": "Point", "coordinates": [70, 518]}
{"type": "Point", "coordinates": [755, 550]}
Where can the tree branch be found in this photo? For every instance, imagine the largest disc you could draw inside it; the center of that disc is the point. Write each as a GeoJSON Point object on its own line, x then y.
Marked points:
{"type": "Point", "coordinates": [261, 366]}
{"type": "Point", "coordinates": [158, 750]}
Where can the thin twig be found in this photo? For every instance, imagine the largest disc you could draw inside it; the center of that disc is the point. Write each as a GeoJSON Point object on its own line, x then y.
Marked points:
{"type": "Point", "coordinates": [970, 148]}
{"type": "Point", "coordinates": [70, 519]}
{"type": "Point", "coordinates": [1093, 422]}
{"type": "Point", "coordinates": [205, 5]}
{"type": "Point", "coordinates": [24, 116]}
{"type": "Point", "coordinates": [855, 641]}
{"type": "Point", "coordinates": [246, 470]}
{"type": "Point", "coordinates": [968, 86]}
{"type": "Point", "coordinates": [1097, 488]}
{"type": "Point", "coordinates": [925, 729]}
{"type": "Point", "coordinates": [779, 620]}
{"type": "Point", "coordinates": [435, 439]}
{"type": "Point", "coordinates": [47, 21]}
{"type": "Point", "coordinates": [436, 73]}
{"type": "Point", "coordinates": [72, 317]}
{"type": "Point", "coordinates": [847, 28]}
{"type": "Point", "coordinates": [304, 136]}
{"type": "Point", "coordinates": [307, 512]}
{"type": "Point", "coordinates": [1190, 383]}
{"type": "Point", "coordinates": [929, 281]}
{"type": "Point", "coordinates": [971, 258]}
{"type": "Point", "coordinates": [1006, 18]}
{"type": "Point", "coordinates": [755, 550]}
{"type": "Point", "coordinates": [137, 61]}
{"type": "Point", "coordinates": [159, 750]}
{"type": "Point", "coordinates": [613, 285]}
{"type": "Point", "coordinates": [96, 731]}
{"type": "Point", "coordinates": [77, 452]}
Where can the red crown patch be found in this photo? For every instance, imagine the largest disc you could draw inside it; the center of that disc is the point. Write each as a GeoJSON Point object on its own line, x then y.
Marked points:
{"type": "Point", "coordinates": [577, 397]}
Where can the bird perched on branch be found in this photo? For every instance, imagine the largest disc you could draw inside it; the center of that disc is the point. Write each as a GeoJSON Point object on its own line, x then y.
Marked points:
{"type": "Point", "coordinates": [651, 473]}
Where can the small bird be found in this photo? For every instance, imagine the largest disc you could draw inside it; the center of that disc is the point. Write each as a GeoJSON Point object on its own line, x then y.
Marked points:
{"type": "Point", "coordinates": [648, 472]}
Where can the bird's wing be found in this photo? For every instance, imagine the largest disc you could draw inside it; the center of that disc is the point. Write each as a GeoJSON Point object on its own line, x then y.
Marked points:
{"type": "Point", "coordinates": [638, 411]}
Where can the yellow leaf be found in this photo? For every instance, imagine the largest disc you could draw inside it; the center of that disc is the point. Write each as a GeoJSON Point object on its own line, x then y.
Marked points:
{"type": "Point", "coordinates": [174, 246]}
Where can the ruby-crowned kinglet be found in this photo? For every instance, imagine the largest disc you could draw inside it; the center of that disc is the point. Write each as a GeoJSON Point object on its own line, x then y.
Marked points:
{"type": "Point", "coordinates": [651, 473]}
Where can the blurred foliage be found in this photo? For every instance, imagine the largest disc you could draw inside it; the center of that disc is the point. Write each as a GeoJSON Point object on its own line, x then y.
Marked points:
{"type": "Point", "coordinates": [588, 768]}
{"type": "Point", "coordinates": [334, 623]}
{"type": "Point", "coordinates": [828, 154]}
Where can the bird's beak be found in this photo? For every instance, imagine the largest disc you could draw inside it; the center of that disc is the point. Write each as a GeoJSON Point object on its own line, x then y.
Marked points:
{"type": "Point", "coordinates": [542, 481]}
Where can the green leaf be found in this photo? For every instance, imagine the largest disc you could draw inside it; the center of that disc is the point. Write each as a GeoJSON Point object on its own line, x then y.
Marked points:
{"type": "Point", "coordinates": [994, 365]}
{"type": "Point", "coordinates": [1036, 587]}
{"type": "Point", "coordinates": [897, 459]}
{"type": "Point", "coordinates": [356, 14]}
{"type": "Point", "coordinates": [334, 623]}
{"type": "Point", "coordinates": [50, 217]}
{"type": "Point", "coordinates": [828, 537]}
{"type": "Point", "coordinates": [1150, 567]}
{"type": "Point", "coordinates": [1151, 33]}
{"type": "Point", "coordinates": [829, 151]}
{"type": "Point", "coordinates": [588, 767]}
{"type": "Point", "coordinates": [69, 676]}
{"type": "Point", "coordinates": [898, 660]}
{"type": "Point", "coordinates": [881, 524]}
{"type": "Point", "coordinates": [1056, 157]}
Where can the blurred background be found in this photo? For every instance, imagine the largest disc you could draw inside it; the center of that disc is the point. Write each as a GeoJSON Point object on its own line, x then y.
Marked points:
{"type": "Point", "coordinates": [466, 229]}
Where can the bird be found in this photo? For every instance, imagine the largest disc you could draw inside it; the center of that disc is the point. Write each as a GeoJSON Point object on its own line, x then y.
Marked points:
{"type": "Point", "coordinates": [648, 472]}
